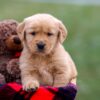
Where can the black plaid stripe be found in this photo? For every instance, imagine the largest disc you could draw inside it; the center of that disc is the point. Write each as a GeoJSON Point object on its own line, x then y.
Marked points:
{"type": "Point", "coordinates": [23, 95]}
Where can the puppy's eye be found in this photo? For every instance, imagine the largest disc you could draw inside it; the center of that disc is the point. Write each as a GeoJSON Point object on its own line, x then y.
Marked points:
{"type": "Point", "coordinates": [49, 34]}
{"type": "Point", "coordinates": [33, 33]}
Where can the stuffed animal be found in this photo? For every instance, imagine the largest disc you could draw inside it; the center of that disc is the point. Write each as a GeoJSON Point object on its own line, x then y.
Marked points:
{"type": "Point", "coordinates": [10, 47]}
{"type": "Point", "coordinates": [2, 79]}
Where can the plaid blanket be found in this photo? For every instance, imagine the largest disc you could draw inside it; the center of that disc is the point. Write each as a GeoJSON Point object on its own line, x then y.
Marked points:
{"type": "Point", "coordinates": [13, 91]}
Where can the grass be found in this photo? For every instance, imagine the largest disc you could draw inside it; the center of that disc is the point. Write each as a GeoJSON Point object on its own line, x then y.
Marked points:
{"type": "Point", "coordinates": [83, 24]}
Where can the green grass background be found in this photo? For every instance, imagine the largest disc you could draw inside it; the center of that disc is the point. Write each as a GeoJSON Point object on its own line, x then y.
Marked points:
{"type": "Point", "coordinates": [83, 41]}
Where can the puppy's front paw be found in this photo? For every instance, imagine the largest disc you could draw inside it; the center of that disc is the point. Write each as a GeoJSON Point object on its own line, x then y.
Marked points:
{"type": "Point", "coordinates": [31, 86]}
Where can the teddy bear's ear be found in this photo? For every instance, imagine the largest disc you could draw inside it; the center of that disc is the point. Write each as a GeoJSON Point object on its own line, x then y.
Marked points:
{"type": "Point", "coordinates": [20, 30]}
{"type": "Point", "coordinates": [62, 32]}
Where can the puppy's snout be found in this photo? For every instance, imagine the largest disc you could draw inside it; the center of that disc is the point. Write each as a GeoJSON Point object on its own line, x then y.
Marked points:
{"type": "Point", "coordinates": [16, 40]}
{"type": "Point", "coordinates": [40, 46]}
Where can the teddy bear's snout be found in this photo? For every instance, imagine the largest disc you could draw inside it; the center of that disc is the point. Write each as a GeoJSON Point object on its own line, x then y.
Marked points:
{"type": "Point", "coordinates": [16, 40]}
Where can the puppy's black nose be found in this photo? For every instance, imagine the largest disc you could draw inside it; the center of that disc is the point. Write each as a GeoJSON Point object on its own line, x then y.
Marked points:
{"type": "Point", "coordinates": [40, 45]}
{"type": "Point", "coordinates": [16, 40]}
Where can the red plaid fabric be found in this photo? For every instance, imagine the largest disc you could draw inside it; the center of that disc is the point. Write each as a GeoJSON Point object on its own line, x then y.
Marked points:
{"type": "Point", "coordinates": [13, 91]}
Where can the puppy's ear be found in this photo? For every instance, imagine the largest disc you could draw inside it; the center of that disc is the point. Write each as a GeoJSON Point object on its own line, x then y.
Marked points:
{"type": "Point", "coordinates": [62, 32]}
{"type": "Point", "coordinates": [20, 30]}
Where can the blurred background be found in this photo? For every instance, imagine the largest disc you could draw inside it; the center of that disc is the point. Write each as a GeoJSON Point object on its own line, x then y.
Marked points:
{"type": "Point", "coordinates": [82, 19]}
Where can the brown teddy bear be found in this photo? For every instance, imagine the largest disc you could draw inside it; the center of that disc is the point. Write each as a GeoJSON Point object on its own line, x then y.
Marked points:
{"type": "Point", "coordinates": [10, 47]}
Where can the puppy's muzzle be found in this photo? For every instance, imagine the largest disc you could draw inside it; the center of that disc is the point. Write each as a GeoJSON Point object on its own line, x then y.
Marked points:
{"type": "Point", "coordinates": [41, 46]}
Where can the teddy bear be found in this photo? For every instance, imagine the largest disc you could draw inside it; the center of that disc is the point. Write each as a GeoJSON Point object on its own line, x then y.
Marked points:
{"type": "Point", "coordinates": [10, 48]}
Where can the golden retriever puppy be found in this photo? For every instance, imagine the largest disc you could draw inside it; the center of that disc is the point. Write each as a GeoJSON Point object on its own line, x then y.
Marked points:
{"type": "Point", "coordinates": [44, 59]}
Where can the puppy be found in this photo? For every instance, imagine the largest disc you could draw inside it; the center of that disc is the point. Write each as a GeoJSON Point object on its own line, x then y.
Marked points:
{"type": "Point", "coordinates": [43, 59]}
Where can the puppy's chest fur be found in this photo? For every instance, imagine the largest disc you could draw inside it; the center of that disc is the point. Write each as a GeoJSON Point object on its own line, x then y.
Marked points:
{"type": "Point", "coordinates": [45, 68]}
{"type": "Point", "coordinates": [48, 68]}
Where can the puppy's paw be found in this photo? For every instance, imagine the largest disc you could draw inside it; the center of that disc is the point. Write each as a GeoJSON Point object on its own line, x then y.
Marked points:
{"type": "Point", "coordinates": [31, 86]}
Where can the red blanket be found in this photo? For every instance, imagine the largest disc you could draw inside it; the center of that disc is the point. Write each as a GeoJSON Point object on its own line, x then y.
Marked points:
{"type": "Point", "coordinates": [13, 91]}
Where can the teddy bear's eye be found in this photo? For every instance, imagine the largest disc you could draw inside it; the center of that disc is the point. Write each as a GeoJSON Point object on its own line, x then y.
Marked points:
{"type": "Point", "coordinates": [49, 34]}
{"type": "Point", "coordinates": [7, 35]}
{"type": "Point", "coordinates": [4, 39]}
{"type": "Point", "coordinates": [33, 33]}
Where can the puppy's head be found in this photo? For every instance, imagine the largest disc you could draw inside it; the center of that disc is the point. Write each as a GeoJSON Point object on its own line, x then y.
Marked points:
{"type": "Point", "coordinates": [41, 33]}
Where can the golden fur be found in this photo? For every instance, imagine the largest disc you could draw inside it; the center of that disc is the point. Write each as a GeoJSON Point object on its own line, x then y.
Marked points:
{"type": "Point", "coordinates": [52, 66]}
